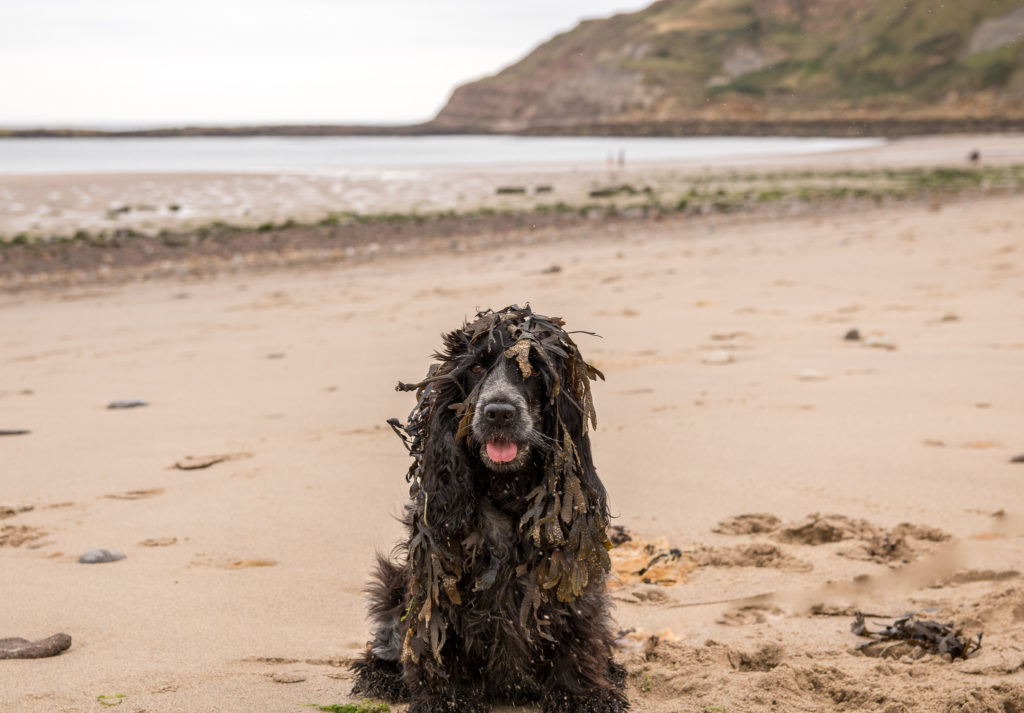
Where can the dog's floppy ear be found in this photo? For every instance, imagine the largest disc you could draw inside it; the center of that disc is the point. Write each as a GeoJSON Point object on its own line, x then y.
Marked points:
{"type": "Point", "coordinates": [441, 475]}
{"type": "Point", "coordinates": [445, 503]}
{"type": "Point", "coordinates": [449, 500]}
{"type": "Point", "coordinates": [575, 421]}
{"type": "Point", "coordinates": [567, 516]}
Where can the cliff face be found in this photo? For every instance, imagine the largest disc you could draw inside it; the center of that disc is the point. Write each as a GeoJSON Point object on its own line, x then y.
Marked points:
{"type": "Point", "coordinates": [762, 61]}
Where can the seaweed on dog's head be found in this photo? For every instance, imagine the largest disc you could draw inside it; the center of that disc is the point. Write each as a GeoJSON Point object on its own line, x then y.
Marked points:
{"type": "Point", "coordinates": [564, 517]}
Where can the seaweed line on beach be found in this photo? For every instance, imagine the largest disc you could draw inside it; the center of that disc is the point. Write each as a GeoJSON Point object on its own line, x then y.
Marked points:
{"type": "Point", "coordinates": [126, 254]}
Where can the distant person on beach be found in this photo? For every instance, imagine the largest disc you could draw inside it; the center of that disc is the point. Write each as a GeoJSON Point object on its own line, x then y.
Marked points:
{"type": "Point", "coordinates": [974, 157]}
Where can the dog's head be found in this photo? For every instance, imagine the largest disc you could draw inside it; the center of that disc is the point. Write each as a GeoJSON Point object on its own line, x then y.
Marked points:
{"type": "Point", "coordinates": [507, 412]}
{"type": "Point", "coordinates": [510, 391]}
{"type": "Point", "coordinates": [510, 374]}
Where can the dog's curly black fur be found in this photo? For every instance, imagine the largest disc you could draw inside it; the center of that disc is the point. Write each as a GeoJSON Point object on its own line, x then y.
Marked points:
{"type": "Point", "coordinates": [498, 592]}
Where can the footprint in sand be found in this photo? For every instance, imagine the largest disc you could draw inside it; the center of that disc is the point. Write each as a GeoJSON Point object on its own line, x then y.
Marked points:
{"type": "Point", "coordinates": [7, 511]}
{"type": "Point", "coordinates": [758, 554]}
{"type": "Point", "coordinates": [276, 660]}
{"type": "Point", "coordinates": [230, 563]}
{"type": "Point", "coordinates": [750, 614]}
{"type": "Point", "coordinates": [17, 535]}
{"type": "Point", "coordinates": [903, 543]}
{"type": "Point", "coordinates": [245, 564]}
{"type": "Point", "coordinates": [749, 524]}
{"type": "Point", "coordinates": [135, 494]}
{"type": "Point", "coordinates": [159, 542]}
{"type": "Point", "coordinates": [970, 576]}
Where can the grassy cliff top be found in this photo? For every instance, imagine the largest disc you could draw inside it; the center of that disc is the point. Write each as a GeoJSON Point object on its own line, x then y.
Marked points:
{"type": "Point", "coordinates": [764, 60]}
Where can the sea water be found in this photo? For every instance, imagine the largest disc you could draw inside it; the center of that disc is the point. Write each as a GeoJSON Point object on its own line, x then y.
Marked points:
{"type": "Point", "coordinates": [341, 154]}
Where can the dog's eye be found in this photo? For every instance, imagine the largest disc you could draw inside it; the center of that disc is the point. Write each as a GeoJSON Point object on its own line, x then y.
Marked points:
{"type": "Point", "coordinates": [477, 368]}
{"type": "Point", "coordinates": [535, 372]}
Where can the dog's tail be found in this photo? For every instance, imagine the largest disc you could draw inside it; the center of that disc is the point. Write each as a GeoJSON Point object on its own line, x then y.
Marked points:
{"type": "Point", "coordinates": [379, 670]}
{"type": "Point", "coordinates": [388, 590]}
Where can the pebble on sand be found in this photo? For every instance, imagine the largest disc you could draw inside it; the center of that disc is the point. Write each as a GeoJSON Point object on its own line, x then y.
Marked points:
{"type": "Point", "coordinates": [18, 648]}
{"type": "Point", "coordinates": [717, 357]}
{"type": "Point", "coordinates": [98, 556]}
{"type": "Point", "coordinates": [127, 403]}
{"type": "Point", "coordinates": [812, 375]}
{"type": "Point", "coordinates": [1018, 459]}
{"type": "Point", "coordinates": [14, 432]}
{"type": "Point", "coordinates": [287, 678]}
{"type": "Point", "coordinates": [852, 336]}
{"type": "Point", "coordinates": [199, 462]}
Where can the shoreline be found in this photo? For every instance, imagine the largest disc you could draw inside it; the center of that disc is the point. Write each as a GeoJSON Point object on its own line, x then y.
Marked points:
{"type": "Point", "coordinates": [50, 206]}
{"type": "Point", "coordinates": [887, 127]}
{"type": "Point", "coordinates": [124, 253]}
{"type": "Point", "coordinates": [220, 250]}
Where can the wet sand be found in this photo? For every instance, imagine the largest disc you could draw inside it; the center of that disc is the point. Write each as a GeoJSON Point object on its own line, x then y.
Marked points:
{"type": "Point", "coordinates": [730, 390]}
{"type": "Point", "coordinates": [46, 205]}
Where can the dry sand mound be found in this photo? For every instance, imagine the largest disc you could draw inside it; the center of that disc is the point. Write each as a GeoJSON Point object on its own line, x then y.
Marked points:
{"type": "Point", "coordinates": [790, 670]}
{"type": "Point", "coordinates": [717, 677]}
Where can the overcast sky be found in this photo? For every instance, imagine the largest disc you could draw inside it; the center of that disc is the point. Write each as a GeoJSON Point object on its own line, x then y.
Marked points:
{"type": "Point", "coordinates": [149, 62]}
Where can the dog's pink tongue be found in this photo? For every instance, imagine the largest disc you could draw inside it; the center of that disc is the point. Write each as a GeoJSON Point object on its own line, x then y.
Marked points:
{"type": "Point", "coordinates": [501, 451]}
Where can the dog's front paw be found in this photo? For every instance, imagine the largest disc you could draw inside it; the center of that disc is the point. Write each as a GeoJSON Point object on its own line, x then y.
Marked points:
{"type": "Point", "coordinates": [616, 674]}
{"type": "Point", "coordinates": [602, 700]}
{"type": "Point", "coordinates": [377, 678]}
{"type": "Point", "coordinates": [454, 703]}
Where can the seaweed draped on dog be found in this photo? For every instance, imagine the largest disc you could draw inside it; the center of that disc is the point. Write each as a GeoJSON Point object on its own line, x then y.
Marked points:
{"type": "Point", "coordinates": [499, 590]}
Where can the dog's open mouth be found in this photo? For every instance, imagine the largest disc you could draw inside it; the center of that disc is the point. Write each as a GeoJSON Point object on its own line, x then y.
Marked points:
{"type": "Point", "coordinates": [504, 456]}
{"type": "Point", "coordinates": [502, 451]}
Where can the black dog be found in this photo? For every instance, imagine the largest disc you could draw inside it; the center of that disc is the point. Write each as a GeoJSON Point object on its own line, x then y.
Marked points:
{"type": "Point", "coordinates": [499, 590]}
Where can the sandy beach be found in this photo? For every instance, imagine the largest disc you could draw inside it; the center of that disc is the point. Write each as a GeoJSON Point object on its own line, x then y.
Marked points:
{"type": "Point", "coordinates": [730, 391]}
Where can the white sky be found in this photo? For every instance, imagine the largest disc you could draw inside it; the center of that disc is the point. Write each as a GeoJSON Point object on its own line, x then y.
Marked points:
{"type": "Point", "coordinates": [170, 62]}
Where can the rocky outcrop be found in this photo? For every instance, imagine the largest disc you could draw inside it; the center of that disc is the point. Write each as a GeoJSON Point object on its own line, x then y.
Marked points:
{"type": "Point", "coordinates": [769, 62]}
{"type": "Point", "coordinates": [997, 32]}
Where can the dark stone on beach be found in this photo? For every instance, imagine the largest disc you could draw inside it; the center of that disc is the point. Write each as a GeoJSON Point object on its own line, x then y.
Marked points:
{"type": "Point", "coordinates": [543, 189]}
{"type": "Point", "coordinates": [14, 432]}
{"type": "Point", "coordinates": [100, 556]}
{"type": "Point", "coordinates": [853, 335]}
{"type": "Point", "coordinates": [199, 462]}
{"type": "Point", "coordinates": [1018, 459]}
{"type": "Point", "coordinates": [506, 190]}
{"type": "Point", "coordinates": [16, 648]}
{"type": "Point", "coordinates": [127, 403]}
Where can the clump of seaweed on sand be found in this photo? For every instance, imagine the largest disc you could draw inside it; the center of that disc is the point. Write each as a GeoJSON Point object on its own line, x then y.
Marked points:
{"type": "Point", "coordinates": [926, 635]}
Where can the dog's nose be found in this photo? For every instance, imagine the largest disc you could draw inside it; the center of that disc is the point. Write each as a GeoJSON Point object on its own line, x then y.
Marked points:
{"type": "Point", "coordinates": [500, 414]}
